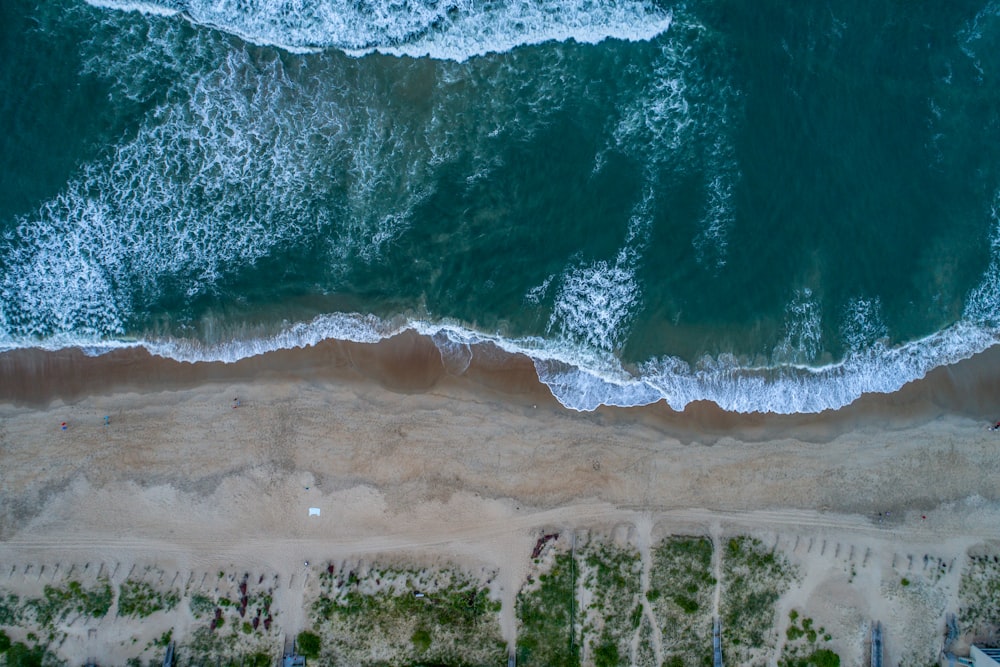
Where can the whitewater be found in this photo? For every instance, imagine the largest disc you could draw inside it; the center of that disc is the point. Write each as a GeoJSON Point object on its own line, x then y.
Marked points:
{"type": "Point", "coordinates": [583, 182]}
{"type": "Point", "coordinates": [444, 30]}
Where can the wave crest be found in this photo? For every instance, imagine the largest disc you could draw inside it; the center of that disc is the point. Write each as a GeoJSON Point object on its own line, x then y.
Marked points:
{"type": "Point", "coordinates": [443, 29]}
{"type": "Point", "coordinates": [583, 380]}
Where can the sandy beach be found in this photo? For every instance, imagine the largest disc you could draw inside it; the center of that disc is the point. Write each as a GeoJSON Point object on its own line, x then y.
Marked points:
{"type": "Point", "coordinates": [408, 462]}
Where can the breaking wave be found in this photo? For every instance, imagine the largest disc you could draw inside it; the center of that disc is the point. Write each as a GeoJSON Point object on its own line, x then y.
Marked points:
{"type": "Point", "coordinates": [597, 302]}
{"type": "Point", "coordinates": [584, 375]}
{"type": "Point", "coordinates": [443, 29]}
{"type": "Point", "coordinates": [158, 210]}
{"type": "Point", "coordinates": [584, 379]}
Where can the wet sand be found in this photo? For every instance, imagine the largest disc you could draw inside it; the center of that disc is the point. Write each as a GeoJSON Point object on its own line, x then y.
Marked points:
{"type": "Point", "coordinates": [409, 363]}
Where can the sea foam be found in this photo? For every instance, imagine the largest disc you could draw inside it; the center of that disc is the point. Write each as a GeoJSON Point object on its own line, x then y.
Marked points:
{"type": "Point", "coordinates": [584, 377]}
{"type": "Point", "coordinates": [156, 211]}
{"type": "Point", "coordinates": [160, 208]}
{"type": "Point", "coordinates": [455, 30]}
{"type": "Point", "coordinates": [597, 301]}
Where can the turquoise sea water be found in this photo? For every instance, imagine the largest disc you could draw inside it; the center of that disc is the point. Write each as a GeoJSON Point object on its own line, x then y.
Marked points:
{"type": "Point", "coordinates": [775, 206]}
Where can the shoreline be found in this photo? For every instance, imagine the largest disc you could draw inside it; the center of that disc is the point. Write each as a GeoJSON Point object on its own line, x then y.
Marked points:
{"type": "Point", "coordinates": [410, 363]}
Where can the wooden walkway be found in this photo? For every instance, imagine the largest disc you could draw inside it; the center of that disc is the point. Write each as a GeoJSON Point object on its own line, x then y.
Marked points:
{"type": "Point", "coordinates": [876, 644]}
{"type": "Point", "coordinates": [717, 643]}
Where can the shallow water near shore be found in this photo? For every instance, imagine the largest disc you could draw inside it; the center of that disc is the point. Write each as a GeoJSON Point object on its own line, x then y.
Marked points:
{"type": "Point", "coordinates": [774, 209]}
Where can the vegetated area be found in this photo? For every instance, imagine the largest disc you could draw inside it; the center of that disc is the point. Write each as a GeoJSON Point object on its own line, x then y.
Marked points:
{"type": "Point", "coordinates": [611, 576]}
{"type": "Point", "coordinates": [979, 592]}
{"type": "Point", "coordinates": [586, 605]}
{"type": "Point", "coordinates": [20, 654]}
{"type": "Point", "coordinates": [807, 645]}
{"type": "Point", "coordinates": [546, 611]}
{"type": "Point", "coordinates": [234, 623]}
{"type": "Point", "coordinates": [681, 587]}
{"type": "Point", "coordinates": [400, 616]}
{"type": "Point", "coordinates": [232, 619]}
{"type": "Point", "coordinates": [753, 578]}
{"type": "Point", "coordinates": [138, 598]}
{"type": "Point", "coordinates": [919, 599]}
{"type": "Point", "coordinates": [43, 617]}
{"type": "Point", "coordinates": [587, 601]}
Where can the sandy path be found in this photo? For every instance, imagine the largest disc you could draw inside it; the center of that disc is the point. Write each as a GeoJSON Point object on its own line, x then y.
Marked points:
{"type": "Point", "coordinates": [453, 536]}
{"type": "Point", "coordinates": [487, 540]}
{"type": "Point", "coordinates": [644, 533]}
{"type": "Point", "coordinates": [717, 546]}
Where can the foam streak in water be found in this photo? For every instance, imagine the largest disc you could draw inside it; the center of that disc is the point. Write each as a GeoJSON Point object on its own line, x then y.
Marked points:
{"type": "Point", "coordinates": [161, 208]}
{"type": "Point", "coordinates": [682, 119]}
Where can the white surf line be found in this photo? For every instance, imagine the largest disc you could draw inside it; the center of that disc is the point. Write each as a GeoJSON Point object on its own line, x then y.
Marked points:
{"type": "Point", "coordinates": [644, 534]}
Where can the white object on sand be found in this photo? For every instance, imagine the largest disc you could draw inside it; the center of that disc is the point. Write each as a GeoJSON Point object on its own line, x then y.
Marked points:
{"type": "Point", "coordinates": [313, 511]}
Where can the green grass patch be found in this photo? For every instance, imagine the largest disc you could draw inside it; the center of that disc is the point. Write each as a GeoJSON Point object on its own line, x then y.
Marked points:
{"type": "Point", "coordinates": [308, 644]}
{"type": "Point", "coordinates": [612, 575]}
{"type": "Point", "coordinates": [205, 647]}
{"type": "Point", "coordinates": [139, 599]}
{"type": "Point", "coordinates": [421, 640]}
{"type": "Point", "coordinates": [606, 655]}
{"type": "Point", "coordinates": [259, 659]}
{"type": "Point", "coordinates": [820, 658]}
{"type": "Point", "coordinates": [21, 655]}
{"type": "Point", "coordinates": [681, 576]}
{"type": "Point", "coordinates": [979, 590]}
{"type": "Point", "coordinates": [754, 578]}
{"type": "Point", "coordinates": [201, 605]}
{"type": "Point", "coordinates": [689, 605]}
{"type": "Point", "coordinates": [546, 615]}
{"type": "Point", "coordinates": [800, 653]}
{"type": "Point", "coordinates": [405, 617]}
{"type": "Point", "coordinates": [10, 612]}
{"type": "Point", "coordinates": [58, 602]}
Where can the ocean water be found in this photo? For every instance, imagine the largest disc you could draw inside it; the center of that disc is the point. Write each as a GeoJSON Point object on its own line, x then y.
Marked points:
{"type": "Point", "coordinates": [774, 206]}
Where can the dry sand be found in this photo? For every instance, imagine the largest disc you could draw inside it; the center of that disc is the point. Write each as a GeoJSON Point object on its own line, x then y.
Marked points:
{"type": "Point", "coordinates": [468, 470]}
